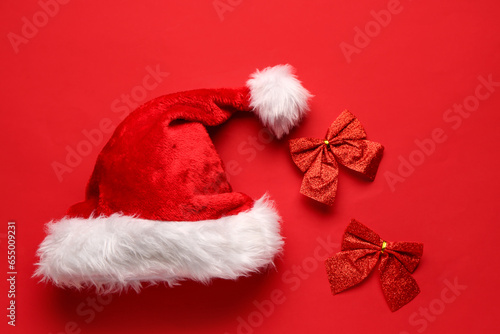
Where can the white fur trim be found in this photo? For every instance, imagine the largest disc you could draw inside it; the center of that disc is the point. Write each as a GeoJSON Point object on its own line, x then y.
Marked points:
{"type": "Point", "coordinates": [278, 97]}
{"type": "Point", "coordinates": [119, 252]}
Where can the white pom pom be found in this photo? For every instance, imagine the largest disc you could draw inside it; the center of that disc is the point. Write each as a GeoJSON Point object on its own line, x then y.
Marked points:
{"type": "Point", "coordinates": [278, 97]}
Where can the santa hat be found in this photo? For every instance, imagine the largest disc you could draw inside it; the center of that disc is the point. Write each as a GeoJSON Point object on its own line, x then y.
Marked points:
{"type": "Point", "coordinates": [158, 206]}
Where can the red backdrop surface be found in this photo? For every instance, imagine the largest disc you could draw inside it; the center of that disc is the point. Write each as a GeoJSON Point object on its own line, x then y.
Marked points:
{"type": "Point", "coordinates": [423, 78]}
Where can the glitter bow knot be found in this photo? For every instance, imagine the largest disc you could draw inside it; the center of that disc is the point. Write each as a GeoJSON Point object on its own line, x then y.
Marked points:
{"type": "Point", "coordinates": [345, 143]}
{"type": "Point", "coordinates": [361, 250]}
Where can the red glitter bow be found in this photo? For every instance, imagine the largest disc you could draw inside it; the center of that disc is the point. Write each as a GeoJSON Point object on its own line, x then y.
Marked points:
{"type": "Point", "coordinates": [345, 143]}
{"type": "Point", "coordinates": [361, 250]}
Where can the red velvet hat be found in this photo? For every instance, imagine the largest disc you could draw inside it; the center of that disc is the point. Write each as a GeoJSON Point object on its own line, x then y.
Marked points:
{"type": "Point", "coordinates": [158, 206]}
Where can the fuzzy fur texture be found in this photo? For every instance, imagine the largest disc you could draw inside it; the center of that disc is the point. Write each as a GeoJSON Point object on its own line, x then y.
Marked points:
{"type": "Point", "coordinates": [119, 252]}
{"type": "Point", "coordinates": [278, 97]}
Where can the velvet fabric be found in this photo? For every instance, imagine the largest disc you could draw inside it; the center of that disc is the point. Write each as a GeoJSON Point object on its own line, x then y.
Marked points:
{"type": "Point", "coordinates": [160, 163]}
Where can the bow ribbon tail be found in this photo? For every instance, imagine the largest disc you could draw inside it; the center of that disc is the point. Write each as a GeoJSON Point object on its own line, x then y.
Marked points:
{"type": "Point", "coordinates": [348, 268]}
{"type": "Point", "coordinates": [398, 286]}
{"type": "Point", "coordinates": [321, 180]}
{"type": "Point", "coordinates": [319, 167]}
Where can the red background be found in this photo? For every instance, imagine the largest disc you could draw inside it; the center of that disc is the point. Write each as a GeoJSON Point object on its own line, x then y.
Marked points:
{"type": "Point", "coordinates": [65, 77]}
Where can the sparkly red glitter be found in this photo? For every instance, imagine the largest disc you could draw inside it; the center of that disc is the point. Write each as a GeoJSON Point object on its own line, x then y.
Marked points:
{"type": "Point", "coordinates": [345, 143]}
{"type": "Point", "coordinates": [361, 250]}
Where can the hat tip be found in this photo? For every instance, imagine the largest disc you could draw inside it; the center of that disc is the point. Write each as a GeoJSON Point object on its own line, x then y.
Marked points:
{"type": "Point", "coordinates": [278, 98]}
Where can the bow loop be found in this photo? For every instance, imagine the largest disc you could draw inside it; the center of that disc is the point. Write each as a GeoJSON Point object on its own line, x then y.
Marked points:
{"type": "Point", "coordinates": [408, 253]}
{"type": "Point", "coordinates": [304, 151]}
{"type": "Point", "coordinates": [345, 127]}
{"type": "Point", "coordinates": [345, 143]}
{"type": "Point", "coordinates": [398, 286]}
{"type": "Point", "coordinates": [357, 235]}
{"type": "Point", "coordinates": [362, 156]}
{"type": "Point", "coordinates": [361, 249]}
